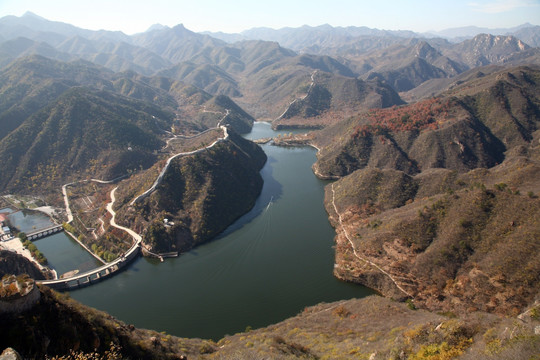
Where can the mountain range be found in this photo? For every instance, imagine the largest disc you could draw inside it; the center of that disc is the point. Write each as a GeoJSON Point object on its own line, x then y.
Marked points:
{"type": "Point", "coordinates": [438, 177]}
{"type": "Point", "coordinates": [306, 36]}
{"type": "Point", "coordinates": [261, 71]}
{"type": "Point", "coordinates": [42, 97]}
{"type": "Point", "coordinates": [432, 143]}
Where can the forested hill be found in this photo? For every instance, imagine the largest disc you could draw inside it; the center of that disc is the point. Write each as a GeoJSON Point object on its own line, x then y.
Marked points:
{"type": "Point", "coordinates": [437, 201]}
{"type": "Point", "coordinates": [200, 194]}
{"type": "Point", "coordinates": [63, 121]}
{"type": "Point", "coordinates": [468, 127]}
{"type": "Point", "coordinates": [83, 132]}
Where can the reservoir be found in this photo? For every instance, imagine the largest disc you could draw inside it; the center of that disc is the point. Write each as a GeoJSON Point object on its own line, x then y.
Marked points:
{"type": "Point", "coordinates": [28, 221]}
{"type": "Point", "coordinates": [269, 265]}
{"type": "Point", "coordinates": [63, 253]}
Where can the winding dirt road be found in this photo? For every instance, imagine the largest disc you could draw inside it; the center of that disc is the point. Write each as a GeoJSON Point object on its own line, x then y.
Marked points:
{"type": "Point", "coordinates": [133, 234]}
{"type": "Point", "coordinates": [354, 249]}
{"type": "Point", "coordinates": [168, 163]}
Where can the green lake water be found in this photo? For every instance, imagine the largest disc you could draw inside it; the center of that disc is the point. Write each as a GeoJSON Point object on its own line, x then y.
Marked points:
{"type": "Point", "coordinates": [268, 266]}
{"type": "Point", "coordinates": [65, 254]}
{"type": "Point", "coordinates": [28, 221]}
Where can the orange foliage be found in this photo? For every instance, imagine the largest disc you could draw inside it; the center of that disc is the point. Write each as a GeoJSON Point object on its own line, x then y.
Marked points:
{"type": "Point", "coordinates": [427, 114]}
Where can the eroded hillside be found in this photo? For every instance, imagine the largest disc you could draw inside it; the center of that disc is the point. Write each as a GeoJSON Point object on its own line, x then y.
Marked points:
{"type": "Point", "coordinates": [200, 195]}
{"type": "Point", "coordinates": [454, 226]}
{"type": "Point", "coordinates": [469, 127]}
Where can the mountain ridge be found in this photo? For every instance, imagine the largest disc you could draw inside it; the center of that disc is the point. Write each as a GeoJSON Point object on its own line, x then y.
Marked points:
{"type": "Point", "coordinates": [435, 201]}
{"type": "Point", "coordinates": [239, 69]}
{"type": "Point", "coordinates": [424, 192]}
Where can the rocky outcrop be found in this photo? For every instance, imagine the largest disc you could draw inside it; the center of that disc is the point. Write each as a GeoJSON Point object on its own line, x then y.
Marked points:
{"type": "Point", "coordinates": [10, 354]}
{"type": "Point", "coordinates": [18, 294]}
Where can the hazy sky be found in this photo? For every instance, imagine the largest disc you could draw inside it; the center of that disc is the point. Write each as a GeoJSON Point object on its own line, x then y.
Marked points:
{"type": "Point", "coordinates": [131, 16]}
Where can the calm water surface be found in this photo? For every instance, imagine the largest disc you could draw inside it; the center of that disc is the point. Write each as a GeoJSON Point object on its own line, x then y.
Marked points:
{"type": "Point", "coordinates": [29, 221]}
{"type": "Point", "coordinates": [268, 266]}
{"type": "Point", "coordinates": [65, 254]}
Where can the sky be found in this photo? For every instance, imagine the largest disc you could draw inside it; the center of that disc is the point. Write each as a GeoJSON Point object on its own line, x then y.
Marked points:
{"type": "Point", "coordinates": [232, 16]}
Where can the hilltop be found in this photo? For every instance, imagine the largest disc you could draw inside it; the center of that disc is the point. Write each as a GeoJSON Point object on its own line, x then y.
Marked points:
{"type": "Point", "coordinates": [57, 147]}
{"type": "Point", "coordinates": [200, 195]}
{"type": "Point", "coordinates": [433, 144]}
{"type": "Point", "coordinates": [468, 127]}
{"type": "Point", "coordinates": [436, 201]}
{"type": "Point", "coordinates": [264, 70]}
{"type": "Point", "coordinates": [329, 99]}
{"type": "Point", "coordinates": [345, 329]}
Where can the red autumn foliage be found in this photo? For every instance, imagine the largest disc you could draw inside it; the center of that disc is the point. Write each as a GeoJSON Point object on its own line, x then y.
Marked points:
{"type": "Point", "coordinates": [427, 114]}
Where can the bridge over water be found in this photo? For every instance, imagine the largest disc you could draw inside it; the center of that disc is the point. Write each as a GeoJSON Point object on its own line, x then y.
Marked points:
{"type": "Point", "coordinates": [44, 232]}
{"type": "Point", "coordinates": [102, 272]}
{"type": "Point", "coordinates": [94, 275]}
{"type": "Point", "coordinates": [109, 269]}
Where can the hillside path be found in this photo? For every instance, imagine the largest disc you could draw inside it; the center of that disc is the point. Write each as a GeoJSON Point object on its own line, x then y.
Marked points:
{"type": "Point", "coordinates": [354, 249]}
{"type": "Point", "coordinates": [168, 163]}
{"type": "Point", "coordinates": [133, 234]}
{"type": "Point", "coordinates": [300, 98]}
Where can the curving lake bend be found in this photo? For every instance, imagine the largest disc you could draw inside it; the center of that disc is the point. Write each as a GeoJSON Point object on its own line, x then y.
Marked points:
{"type": "Point", "coordinates": [268, 266]}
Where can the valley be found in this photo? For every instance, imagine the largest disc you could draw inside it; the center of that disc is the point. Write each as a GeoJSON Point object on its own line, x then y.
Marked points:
{"type": "Point", "coordinates": [242, 160]}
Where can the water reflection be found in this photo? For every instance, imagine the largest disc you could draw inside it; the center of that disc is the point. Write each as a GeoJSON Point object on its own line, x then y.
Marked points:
{"type": "Point", "coordinates": [28, 221]}
{"type": "Point", "coordinates": [272, 191]}
{"type": "Point", "coordinates": [266, 267]}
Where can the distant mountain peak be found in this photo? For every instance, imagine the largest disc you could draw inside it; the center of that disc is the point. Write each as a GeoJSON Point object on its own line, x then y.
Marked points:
{"type": "Point", "coordinates": [472, 31]}
{"type": "Point", "coordinates": [157, 27]}
{"type": "Point", "coordinates": [500, 40]}
{"type": "Point", "coordinates": [30, 14]}
{"type": "Point", "coordinates": [181, 29]}
{"type": "Point", "coordinates": [423, 50]}
{"type": "Point", "coordinates": [326, 27]}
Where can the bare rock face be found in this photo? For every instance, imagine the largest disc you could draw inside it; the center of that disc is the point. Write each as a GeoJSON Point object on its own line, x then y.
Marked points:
{"type": "Point", "coordinates": [10, 354]}
{"type": "Point", "coordinates": [18, 294]}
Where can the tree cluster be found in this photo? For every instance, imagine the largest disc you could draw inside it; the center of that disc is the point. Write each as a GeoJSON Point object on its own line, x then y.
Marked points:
{"type": "Point", "coordinates": [427, 114]}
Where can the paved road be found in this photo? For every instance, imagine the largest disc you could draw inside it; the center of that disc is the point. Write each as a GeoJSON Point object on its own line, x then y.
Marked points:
{"type": "Point", "coordinates": [168, 163]}
{"type": "Point", "coordinates": [133, 234]}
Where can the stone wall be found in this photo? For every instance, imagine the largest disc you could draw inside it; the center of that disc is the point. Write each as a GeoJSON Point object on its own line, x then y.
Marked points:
{"type": "Point", "coordinates": [19, 303]}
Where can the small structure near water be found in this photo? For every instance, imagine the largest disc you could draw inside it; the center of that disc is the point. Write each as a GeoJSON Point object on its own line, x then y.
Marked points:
{"type": "Point", "coordinates": [5, 231]}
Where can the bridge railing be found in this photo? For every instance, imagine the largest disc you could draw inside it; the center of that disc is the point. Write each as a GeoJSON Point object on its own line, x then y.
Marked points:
{"type": "Point", "coordinates": [43, 232]}
{"type": "Point", "coordinates": [114, 266]}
